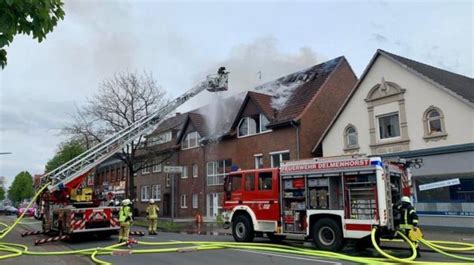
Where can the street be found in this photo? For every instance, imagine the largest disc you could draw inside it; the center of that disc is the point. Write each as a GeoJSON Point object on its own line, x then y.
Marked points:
{"type": "Point", "coordinates": [229, 256]}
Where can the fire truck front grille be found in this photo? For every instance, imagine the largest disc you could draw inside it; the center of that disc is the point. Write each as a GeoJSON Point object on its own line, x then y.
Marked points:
{"type": "Point", "coordinates": [100, 224]}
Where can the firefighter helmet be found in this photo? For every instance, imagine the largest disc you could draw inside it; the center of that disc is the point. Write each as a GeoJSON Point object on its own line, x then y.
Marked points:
{"type": "Point", "coordinates": [152, 201]}
{"type": "Point", "coordinates": [126, 202]}
{"type": "Point", "coordinates": [406, 199]}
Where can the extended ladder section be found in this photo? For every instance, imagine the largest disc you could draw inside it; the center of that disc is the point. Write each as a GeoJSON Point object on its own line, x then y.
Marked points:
{"type": "Point", "coordinates": [105, 149]}
{"type": "Point", "coordinates": [388, 197]}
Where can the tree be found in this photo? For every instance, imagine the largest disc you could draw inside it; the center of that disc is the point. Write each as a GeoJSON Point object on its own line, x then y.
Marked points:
{"type": "Point", "coordinates": [38, 17]}
{"type": "Point", "coordinates": [21, 188]}
{"type": "Point", "coordinates": [121, 100]}
{"type": "Point", "coordinates": [67, 151]}
{"type": "Point", "coordinates": [2, 193]}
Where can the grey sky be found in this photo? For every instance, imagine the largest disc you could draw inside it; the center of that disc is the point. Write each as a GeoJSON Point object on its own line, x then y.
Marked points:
{"type": "Point", "coordinates": [181, 42]}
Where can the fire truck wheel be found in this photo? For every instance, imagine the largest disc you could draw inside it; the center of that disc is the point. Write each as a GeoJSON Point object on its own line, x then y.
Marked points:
{"type": "Point", "coordinates": [275, 238]}
{"type": "Point", "coordinates": [242, 229]}
{"type": "Point", "coordinates": [327, 235]}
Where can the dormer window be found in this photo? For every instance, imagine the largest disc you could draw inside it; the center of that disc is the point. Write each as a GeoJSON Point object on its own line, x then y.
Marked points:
{"type": "Point", "coordinates": [191, 140]}
{"type": "Point", "coordinates": [253, 125]}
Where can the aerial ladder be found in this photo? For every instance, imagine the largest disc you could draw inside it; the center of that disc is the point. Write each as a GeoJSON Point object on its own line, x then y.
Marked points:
{"type": "Point", "coordinates": [59, 213]}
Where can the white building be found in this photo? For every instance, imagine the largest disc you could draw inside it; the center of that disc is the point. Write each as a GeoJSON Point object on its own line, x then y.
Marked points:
{"type": "Point", "coordinates": [404, 108]}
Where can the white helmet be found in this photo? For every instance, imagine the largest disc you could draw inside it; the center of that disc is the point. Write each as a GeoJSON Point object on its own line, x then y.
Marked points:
{"type": "Point", "coordinates": [126, 202]}
{"type": "Point", "coordinates": [406, 199]}
{"type": "Point", "coordinates": [152, 201]}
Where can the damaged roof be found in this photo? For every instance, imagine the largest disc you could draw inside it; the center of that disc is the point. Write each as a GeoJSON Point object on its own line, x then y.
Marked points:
{"type": "Point", "coordinates": [281, 101]}
{"type": "Point", "coordinates": [175, 122]}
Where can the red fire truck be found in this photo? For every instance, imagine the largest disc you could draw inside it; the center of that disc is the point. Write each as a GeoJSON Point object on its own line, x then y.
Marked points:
{"type": "Point", "coordinates": [327, 200]}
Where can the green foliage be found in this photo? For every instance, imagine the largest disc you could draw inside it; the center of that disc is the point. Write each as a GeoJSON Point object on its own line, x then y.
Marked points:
{"type": "Point", "coordinates": [2, 193]}
{"type": "Point", "coordinates": [21, 188]}
{"type": "Point", "coordinates": [36, 17]}
{"type": "Point", "coordinates": [67, 151]}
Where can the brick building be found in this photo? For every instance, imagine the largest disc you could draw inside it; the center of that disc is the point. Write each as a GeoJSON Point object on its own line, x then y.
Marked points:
{"type": "Point", "coordinates": [279, 120]}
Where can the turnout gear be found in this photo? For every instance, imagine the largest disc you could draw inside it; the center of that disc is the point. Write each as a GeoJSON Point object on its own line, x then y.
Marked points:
{"type": "Point", "coordinates": [125, 219]}
{"type": "Point", "coordinates": [409, 219]}
{"type": "Point", "coordinates": [152, 214]}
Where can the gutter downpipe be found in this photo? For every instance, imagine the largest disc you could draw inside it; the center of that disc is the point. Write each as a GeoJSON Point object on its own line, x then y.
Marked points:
{"type": "Point", "coordinates": [294, 124]}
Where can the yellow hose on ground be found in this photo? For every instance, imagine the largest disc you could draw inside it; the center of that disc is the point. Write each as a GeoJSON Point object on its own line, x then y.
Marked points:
{"type": "Point", "coordinates": [14, 250]}
{"type": "Point", "coordinates": [390, 257]}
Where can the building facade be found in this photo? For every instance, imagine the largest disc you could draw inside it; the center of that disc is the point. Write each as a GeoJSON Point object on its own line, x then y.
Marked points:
{"type": "Point", "coordinates": [404, 108]}
{"type": "Point", "coordinates": [279, 120]}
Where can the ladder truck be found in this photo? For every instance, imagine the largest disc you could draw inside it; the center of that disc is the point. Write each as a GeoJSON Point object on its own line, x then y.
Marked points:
{"type": "Point", "coordinates": [328, 200]}
{"type": "Point", "coordinates": [68, 206]}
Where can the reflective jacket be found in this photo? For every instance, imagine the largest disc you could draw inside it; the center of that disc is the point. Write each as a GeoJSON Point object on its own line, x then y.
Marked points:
{"type": "Point", "coordinates": [409, 217]}
{"type": "Point", "coordinates": [152, 211]}
{"type": "Point", "coordinates": [125, 215]}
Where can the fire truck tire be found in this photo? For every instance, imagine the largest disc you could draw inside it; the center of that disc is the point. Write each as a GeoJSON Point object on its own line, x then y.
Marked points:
{"type": "Point", "coordinates": [327, 235]}
{"type": "Point", "coordinates": [275, 238]}
{"type": "Point", "coordinates": [242, 229]}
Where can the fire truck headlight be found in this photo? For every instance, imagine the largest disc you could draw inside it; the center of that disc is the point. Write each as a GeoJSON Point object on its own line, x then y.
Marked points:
{"type": "Point", "coordinates": [226, 216]}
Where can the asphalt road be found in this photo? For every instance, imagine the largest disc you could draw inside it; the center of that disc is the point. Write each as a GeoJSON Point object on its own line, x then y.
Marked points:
{"type": "Point", "coordinates": [228, 257]}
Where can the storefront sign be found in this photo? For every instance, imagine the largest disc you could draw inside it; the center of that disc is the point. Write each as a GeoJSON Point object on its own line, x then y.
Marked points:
{"type": "Point", "coordinates": [446, 213]}
{"type": "Point", "coordinates": [439, 184]}
{"type": "Point", "coordinates": [172, 169]}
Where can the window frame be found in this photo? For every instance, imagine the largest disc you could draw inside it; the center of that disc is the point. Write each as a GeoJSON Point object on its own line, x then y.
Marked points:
{"type": "Point", "coordinates": [428, 134]}
{"type": "Point", "coordinates": [146, 170]}
{"type": "Point", "coordinates": [183, 202]}
{"type": "Point", "coordinates": [257, 159]}
{"type": "Point", "coordinates": [347, 145]}
{"type": "Point", "coordinates": [216, 177]}
{"type": "Point", "coordinates": [195, 170]}
{"type": "Point", "coordinates": [156, 192]}
{"type": "Point", "coordinates": [195, 201]}
{"type": "Point", "coordinates": [157, 167]}
{"type": "Point", "coordinates": [187, 139]}
{"type": "Point", "coordinates": [397, 113]}
{"type": "Point", "coordinates": [258, 127]}
{"type": "Point", "coordinates": [145, 196]}
{"type": "Point", "coordinates": [184, 174]}
{"type": "Point", "coordinates": [280, 153]}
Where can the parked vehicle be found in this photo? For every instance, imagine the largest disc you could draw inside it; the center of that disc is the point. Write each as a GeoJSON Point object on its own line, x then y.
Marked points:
{"type": "Point", "coordinates": [30, 212]}
{"type": "Point", "coordinates": [10, 210]}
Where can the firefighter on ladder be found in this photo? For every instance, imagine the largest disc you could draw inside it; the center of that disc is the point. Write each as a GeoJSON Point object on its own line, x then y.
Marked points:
{"type": "Point", "coordinates": [409, 219]}
{"type": "Point", "coordinates": [152, 214]}
{"type": "Point", "coordinates": [125, 219]}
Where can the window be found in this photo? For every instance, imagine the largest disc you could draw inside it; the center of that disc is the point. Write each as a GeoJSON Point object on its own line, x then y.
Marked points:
{"type": "Point", "coordinates": [217, 170]}
{"type": "Point", "coordinates": [279, 157]}
{"type": "Point", "coordinates": [433, 119]}
{"type": "Point", "coordinates": [195, 171]}
{"type": "Point", "coordinates": [258, 161]}
{"type": "Point", "coordinates": [191, 140]}
{"type": "Point", "coordinates": [145, 170]}
{"type": "Point", "coordinates": [156, 167]}
{"type": "Point", "coordinates": [195, 201]}
{"type": "Point", "coordinates": [351, 138]}
{"type": "Point", "coordinates": [389, 126]}
{"type": "Point", "coordinates": [160, 138]}
{"type": "Point", "coordinates": [156, 192]}
{"type": "Point", "coordinates": [249, 182]}
{"type": "Point", "coordinates": [183, 201]}
{"type": "Point", "coordinates": [265, 181]}
{"type": "Point", "coordinates": [460, 193]}
{"type": "Point", "coordinates": [168, 181]}
{"type": "Point", "coordinates": [253, 125]}
{"type": "Point", "coordinates": [184, 175]}
{"type": "Point", "coordinates": [145, 193]}
{"type": "Point", "coordinates": [235, 183]}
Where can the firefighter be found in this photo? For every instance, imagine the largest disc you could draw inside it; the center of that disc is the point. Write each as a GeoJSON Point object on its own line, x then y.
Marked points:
{"type": "Point", "coordinates": [152, 214]}
{"type": "Point", "coordinates": [409, 219]}
{"type": "Point", "coordinates": [125, 219]}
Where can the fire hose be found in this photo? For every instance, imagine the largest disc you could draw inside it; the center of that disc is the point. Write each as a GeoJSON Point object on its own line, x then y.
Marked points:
{"type": "Point", "coordinates": [14, 250]}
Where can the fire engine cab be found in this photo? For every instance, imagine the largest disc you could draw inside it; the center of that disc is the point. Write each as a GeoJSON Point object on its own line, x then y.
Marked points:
{"type": "Point", "coordinates": [327, 200]}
